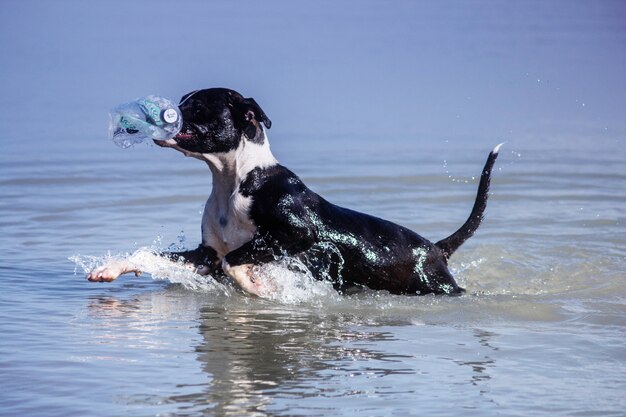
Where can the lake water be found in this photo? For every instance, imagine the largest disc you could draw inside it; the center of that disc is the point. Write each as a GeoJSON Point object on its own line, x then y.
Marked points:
{"type": "Point", "coordinates": [389, 108]}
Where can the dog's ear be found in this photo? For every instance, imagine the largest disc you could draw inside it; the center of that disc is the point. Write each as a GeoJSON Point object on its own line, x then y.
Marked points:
{"type": "Point", "coordinates": [249, 115]}
{"type": "Point", "coordinates": [254, 111]}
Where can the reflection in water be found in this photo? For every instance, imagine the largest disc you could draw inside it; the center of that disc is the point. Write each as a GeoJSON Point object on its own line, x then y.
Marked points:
{"type": "Point", "coordinates": [259, 358]}
{"type": "Point", "coordinates": [481, 367]}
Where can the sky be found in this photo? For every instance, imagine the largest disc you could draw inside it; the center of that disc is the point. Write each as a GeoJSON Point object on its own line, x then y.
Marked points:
{"type": "Point", "coordinates": [418, 70]}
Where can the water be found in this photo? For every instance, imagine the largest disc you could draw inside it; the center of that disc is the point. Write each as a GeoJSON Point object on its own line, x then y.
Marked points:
{"type": "Point", "coordinates": [388, 109]}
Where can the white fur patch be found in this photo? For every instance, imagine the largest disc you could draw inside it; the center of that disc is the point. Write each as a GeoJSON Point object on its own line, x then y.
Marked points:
{"type": "Point", "coordinates": [252, 155]}
{"type": "Point", "coordinates": [239, 162]}
{"type": "Point", "coordinates": [226, 223]}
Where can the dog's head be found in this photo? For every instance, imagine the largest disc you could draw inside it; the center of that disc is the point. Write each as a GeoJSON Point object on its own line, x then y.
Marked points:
{"type": "Point", "coordinates": [216, 121]}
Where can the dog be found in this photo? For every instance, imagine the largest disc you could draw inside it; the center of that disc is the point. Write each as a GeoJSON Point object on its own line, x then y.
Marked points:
{"type": "Point", "coordinates": [259, 211]}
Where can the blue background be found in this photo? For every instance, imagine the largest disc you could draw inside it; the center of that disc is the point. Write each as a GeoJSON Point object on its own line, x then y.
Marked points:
{"type": "Point", "coordinates": [426, 71]}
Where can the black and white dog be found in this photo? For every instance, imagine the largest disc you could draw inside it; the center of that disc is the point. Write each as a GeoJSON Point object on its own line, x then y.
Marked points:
{"type": "Point", "coordinates": [259, 210]}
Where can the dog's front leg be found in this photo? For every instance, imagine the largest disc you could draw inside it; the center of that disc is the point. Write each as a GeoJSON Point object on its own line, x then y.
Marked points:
{"type": "Point", "coordinates": [240, 264]}
{"type": "Point", "coordinates": [202, 260]}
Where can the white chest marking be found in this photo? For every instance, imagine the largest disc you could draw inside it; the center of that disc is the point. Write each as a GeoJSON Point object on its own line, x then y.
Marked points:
{"type": "Point", "coordinates": [226, 224]}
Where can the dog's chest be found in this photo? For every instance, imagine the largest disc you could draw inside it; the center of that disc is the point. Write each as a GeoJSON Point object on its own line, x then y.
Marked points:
{"type": "Point", "coordinates": [226, 224]}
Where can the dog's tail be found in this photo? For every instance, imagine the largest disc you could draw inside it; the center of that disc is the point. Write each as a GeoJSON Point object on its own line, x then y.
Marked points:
{"type": "Point", "coordinates": [450, 244]}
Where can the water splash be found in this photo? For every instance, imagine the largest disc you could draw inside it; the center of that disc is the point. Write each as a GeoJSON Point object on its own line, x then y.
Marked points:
{"type": "Point", "coordinates": [149, 261]}
{"type": "Point", "coordinates": [453, 178]}
{"type": "Point", "coordinates": [289, 281]}
{"type": "Point", "coordinates": [486, 272]}
{"type": "Point", "coordinates": [288, 278]}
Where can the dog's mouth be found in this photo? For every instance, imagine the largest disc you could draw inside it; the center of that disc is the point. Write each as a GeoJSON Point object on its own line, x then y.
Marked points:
{"type": "Point", "coordinates": [169, 143]}
{"type": "Point", "coordinates": [184, 136]}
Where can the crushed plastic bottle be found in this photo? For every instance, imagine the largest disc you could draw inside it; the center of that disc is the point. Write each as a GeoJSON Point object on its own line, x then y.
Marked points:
{"type": "Point", "coordinates": [151, 117]}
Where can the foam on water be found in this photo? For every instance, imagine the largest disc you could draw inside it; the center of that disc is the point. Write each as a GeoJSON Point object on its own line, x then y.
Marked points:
{"type": "Point", "coordinates": [287, 280]}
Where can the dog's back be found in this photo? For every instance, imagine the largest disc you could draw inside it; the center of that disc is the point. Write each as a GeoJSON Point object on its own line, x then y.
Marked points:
{"type": "Point", "coordinates": [374, 252]}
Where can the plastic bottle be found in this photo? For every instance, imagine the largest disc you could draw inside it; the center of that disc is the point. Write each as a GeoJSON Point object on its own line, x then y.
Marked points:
{"type": "Point", "coordinates": [151, 117]}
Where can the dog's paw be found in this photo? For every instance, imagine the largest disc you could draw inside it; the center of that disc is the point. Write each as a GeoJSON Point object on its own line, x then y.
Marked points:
{"type": "Point", "coordinates": [242, 274]}
{"type": "Point", "coordinates": [247, 276]}
{"type": "Point", "coordinates": [111, 270]}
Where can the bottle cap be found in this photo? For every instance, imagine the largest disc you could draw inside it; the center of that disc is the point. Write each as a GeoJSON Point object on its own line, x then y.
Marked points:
{"type": "Point", "coordinates": [169, 115]}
